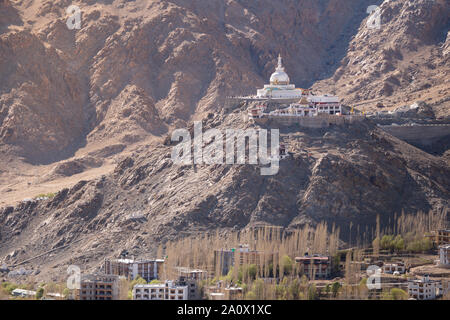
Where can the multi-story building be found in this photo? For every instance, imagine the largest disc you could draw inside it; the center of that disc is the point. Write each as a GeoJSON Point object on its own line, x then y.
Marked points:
{"type": "Point", "coordinates": [193, 289]}
{"type": "Point", "coordinates": [147, 269]}
{"type": "Point", "coordinates": [190, 278]}
{"type": "Point", "coordinates": [444, 253]}
{"type": "Point", "coordinates": [194, 274]}
{"type": "Point", "coordinates": [441, 237]}
{"type": "Point", "coordinates": [224, 259]}
{"type": "Point", "coordinates": [315, 266]}
{"type": "Point", "coordinates": [168, 290]}
{"type": "Point", "coordinates": [424, 289]}
{"type": "Point", "coordinates": [98, 287]}
{"type": "Point", "coordinates": [233, 293]}
{"type": "Point", "coordinates": [394, 267]}
{"type": "Point", "coordinates": [224, 292]}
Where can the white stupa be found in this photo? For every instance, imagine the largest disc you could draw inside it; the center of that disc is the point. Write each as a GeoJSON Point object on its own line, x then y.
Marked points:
{"type": "Point", "coordinates": [279, 87]}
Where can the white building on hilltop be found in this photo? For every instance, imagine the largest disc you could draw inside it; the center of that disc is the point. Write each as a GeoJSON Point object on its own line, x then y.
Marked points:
{"type": "Point", "coordinates": [424, 289]}
{"type": "Point", "coordinates": [279, 87]}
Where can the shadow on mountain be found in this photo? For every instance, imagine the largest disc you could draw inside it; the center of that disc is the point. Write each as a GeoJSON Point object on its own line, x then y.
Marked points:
{"type": "Point", "coordinates": [8, 16]}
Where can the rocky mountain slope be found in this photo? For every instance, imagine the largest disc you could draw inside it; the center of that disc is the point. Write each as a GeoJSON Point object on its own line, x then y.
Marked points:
{"type": "Point", "coordinates": [86, 114]}
{"type": "Point", "coordinates": [60, 87]}
{"type": "Point", "coordinates": [407, 59]}
{"type": "Point", "coordinates": [340, 175]}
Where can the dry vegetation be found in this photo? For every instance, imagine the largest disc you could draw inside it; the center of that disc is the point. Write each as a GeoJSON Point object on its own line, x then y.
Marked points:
{"type": "Point", "coordinates": [279, 247]}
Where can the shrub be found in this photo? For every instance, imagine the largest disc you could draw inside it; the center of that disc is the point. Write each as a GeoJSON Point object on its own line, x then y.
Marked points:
{"type": "Point", "coordinates": [45, 195]}
{"type": "Point", "coordinates": [335, 288]}
{"type": "Point", "coordinates": [287, 264]}
{"type": "Point", "coordinates": [154, 281]}
{"type": "Point", "coordinates": [398, 294]}
{"type": "Point", "coordinates": [39, 293]}
{"type": "Point", "coordinates": [395, 294]}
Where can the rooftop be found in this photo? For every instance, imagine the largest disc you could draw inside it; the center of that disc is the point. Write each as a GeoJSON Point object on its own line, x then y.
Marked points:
{"type": "Point", "coordinates": [129, 261]}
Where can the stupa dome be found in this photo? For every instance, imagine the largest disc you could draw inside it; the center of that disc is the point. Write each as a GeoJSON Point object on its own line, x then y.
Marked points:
{"type": "Point", "coordinates": [279, 76]}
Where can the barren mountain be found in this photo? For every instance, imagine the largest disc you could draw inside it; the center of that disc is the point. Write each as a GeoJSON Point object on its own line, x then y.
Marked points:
{"type": "Point", "coordinates": [86, 114]}
{"type": "Point", "coordinates": [340, 175]}
{"type": "Point", "coordinates": [405, 60]}
{"type": "Point", "coordinates": [61, 87]}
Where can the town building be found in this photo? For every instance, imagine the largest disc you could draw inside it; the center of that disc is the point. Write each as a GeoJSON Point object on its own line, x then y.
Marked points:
{"type": "Point", "coordinates": [444, 253]}
{"type": "Point", "coordinates": [442, 237]}
{"type": "Point", "coordinates": [220, 291]}
{"type": "Point", "coordinates": [148, 269]}
{"type": "Point", "coordinates": [98, 287]}
{"type": "Point", "coordinates": [394, 267]}
{"type": "Point", "coordinates": [23, 293]}
{"type": "Point", "coordinates": [315, 266]}
{"type": "Point", "coordinates": [189, 273]}
{"type": "Point", "coordinates": [191, 277]}
{"type": "Point", "coordinates": [168, 290]}
{"type": "Point", "coordinates": [224, 259]}
{"type": "Point", "coordinates": [424, 289]}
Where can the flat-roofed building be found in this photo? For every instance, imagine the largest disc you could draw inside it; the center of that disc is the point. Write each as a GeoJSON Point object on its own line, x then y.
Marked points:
{"type": "Point", "coordinates": [224, 259]}
{"type": "Point", "coordinates": [190, 273]}
{"type": "Point", "coordinates": [98, 287]}
{"type": "Point", "coordinates": [220, 291]}
{"type": "Point", "coordinates": [424, 289]}
{"type": "Point", "coordinates": [440, 237]}
{"type": "Point", "coordinates": [23, 293]}
{"type": "Point", "coordinates": [147, 269]}
{"type": "Point", "coordinates": [168, 290]}
{"type": "Point", "coordinates": [394, 267]}
{"type": "Point", "coordinates": [444, 256]}
{"type": "Point", "coordinates": [315, 266]}
{"type": "Point", "coordinates": [191, 277]}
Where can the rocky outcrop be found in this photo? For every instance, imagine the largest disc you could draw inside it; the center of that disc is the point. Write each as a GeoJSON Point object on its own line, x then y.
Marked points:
{"type": "Point", "coordinates": [136, 70]}
{"type": "Point", "coordinates": [141, 63]}
{"type": "Point", "coordinates": [402, 61]}
{"type": "Point", "coordinates": [342, 175]}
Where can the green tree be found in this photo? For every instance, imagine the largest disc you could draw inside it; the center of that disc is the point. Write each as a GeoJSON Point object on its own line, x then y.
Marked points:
{"type": "Point", "coordinates": [327, 289]}
{"type": "Point", "coordinates": [335, 288]}
{"type": "Point", "coordinates": [154, 281]}
{"type": "Point", "coordinates": [312, 292]}
{"type": "Point", "coordinates": [398, 294]}
{"type": "Point", "coordinates": [386, 242]}
{"type": "Point", "coordinates": [137, 280]}
{"type": "Point", "coordinates": [252, 271]}
{"type": "Point", "coordinates": [336, 263]}
{"type": "Point", "coordinates": [280, 292]}
{"type": "Point", "coordinates": [66, 293]}
{"type": "Point", "coordinates": [39, 293]}
{"type": "Point", "coordinates": [294, 290]}
{"type": "Point", "coordinates": [287, 264]}
{"type": "Point", "coordinates": [258, 289]}
{"type": "Point", "coordinates": [399, 243]}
